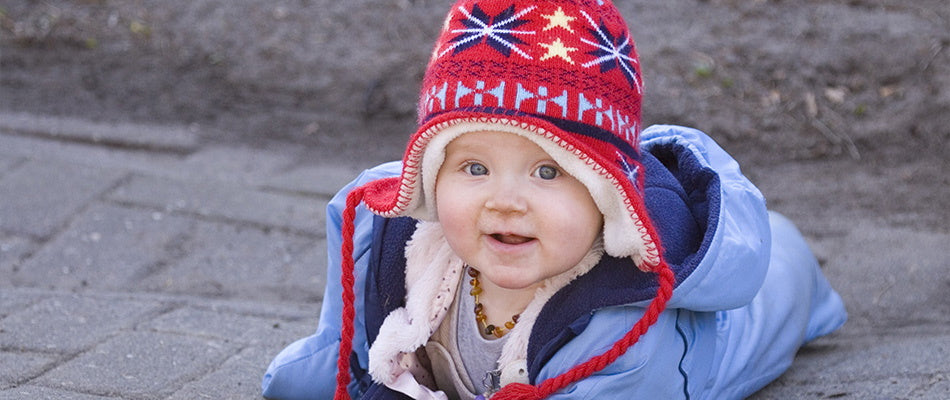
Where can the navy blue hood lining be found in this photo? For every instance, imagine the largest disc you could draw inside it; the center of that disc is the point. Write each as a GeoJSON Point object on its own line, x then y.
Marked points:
{"type": "Point", "coordinates": [386, 274]}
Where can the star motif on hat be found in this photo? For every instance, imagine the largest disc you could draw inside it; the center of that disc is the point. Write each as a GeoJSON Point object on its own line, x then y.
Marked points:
{"type": "Point", "coordinates": [612, 52]}
{"type": "Point", "coordinates": [497, 31]}
{"type": "Point", "coordinates": [630, 170]}
{"type": "Point", "coordinates": [557, 49]}
{"type": "Point", "coordinates": [559, 19]}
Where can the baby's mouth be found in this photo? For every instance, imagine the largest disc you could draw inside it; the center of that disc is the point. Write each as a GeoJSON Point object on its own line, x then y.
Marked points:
{"type": "Point", "coordinates": [511, 238]}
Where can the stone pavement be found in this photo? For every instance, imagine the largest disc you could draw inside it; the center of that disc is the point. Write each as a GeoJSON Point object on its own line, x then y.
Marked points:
{"type": "Point", "coordinates": [137, 262]}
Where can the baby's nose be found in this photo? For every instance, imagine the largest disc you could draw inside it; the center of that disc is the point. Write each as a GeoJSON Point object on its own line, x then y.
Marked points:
{"type": "Point", "coordinates": [508, 196]}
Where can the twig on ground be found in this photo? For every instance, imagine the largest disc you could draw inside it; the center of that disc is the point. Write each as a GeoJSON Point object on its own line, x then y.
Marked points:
{"type": "Point", "coordinates": [836, 138]}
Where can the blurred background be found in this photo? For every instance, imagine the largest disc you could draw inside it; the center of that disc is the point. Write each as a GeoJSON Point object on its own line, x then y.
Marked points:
{"type": "Point", "coordinates": [784, 80]}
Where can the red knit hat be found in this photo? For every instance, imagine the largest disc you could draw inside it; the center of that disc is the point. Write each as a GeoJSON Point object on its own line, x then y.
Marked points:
{"type": "Point", "coordinates": [561, 73]}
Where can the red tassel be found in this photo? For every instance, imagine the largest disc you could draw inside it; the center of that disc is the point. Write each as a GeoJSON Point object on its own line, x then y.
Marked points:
{"type": "Point", "coordinates": [518, 391]}
{"type": "Point", "coordinates": [347, 280]}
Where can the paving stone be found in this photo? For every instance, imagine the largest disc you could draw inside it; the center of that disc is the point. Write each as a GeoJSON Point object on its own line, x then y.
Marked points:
{"type": "Point", "coordinates": [323, 180]}
{"type": "Point", "coordinates": [227, 201]}
{"type": "Point", "coordinates": [107, 247]}
{"type": "Point", "coordinates": [238, 378]}
{"type": "Point", "coordinates": [275, 337]}
{"type": "Point", "coordinates": [244, 165]}
{"type": "Point", "coordinates": [307, 273]}
{"type": "Point", "coordinates": [16, 367]}
{"type": "Point", "coordinates": [140, 365]}
{"type": "Point", "coordinates": [223, 260]}
{"type": "Point", "coordinates": [173, 138]}
{"type": "Point", "coordinates": [938, 387]}
{"type": "Point", "coordinates": [12, 250]}
{"type": "Point", "coordinates": [884, 272]}
{"type": "Point", "coordinates": [44, 393]}
{"type": "Point", "coordinates": [210, 323]}
{"type": "Point", "coordinates": [893, 388]}
{"type": "Point", "coordinates": [13, 300]}
{"type": "Point", "coordinates": [276, 169]}
{"type": "Point", "coordinates": [285, 310]}
{"type": "Point", "coordinates": [152, 163]}
{"type": "Point", "coordinates": [7, 163]}
{"type": "Point", "coordinates": [41, 196]}
{"type": "Point", "coordinates": [907, 353]}
{"type": "Point", "coordinates": [253, 168]}
{"type": "Point", "coordinates": [855, 365]}
{"type": "Point", "coordinates": [68, 324]}
{"type": "Point", "coordinates": [261, 332]}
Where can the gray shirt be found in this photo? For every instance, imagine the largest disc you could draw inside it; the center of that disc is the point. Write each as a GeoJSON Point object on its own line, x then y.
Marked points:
{"type": "Point", "coordinates": [479, 355]}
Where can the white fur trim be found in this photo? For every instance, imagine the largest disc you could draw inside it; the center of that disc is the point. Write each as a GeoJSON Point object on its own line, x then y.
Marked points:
{"type": "Point", "coordinates": [431, 283]}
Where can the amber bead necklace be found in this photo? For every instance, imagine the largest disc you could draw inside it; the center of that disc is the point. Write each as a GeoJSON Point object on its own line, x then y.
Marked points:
{"type": "Point", "coordinates": [480, 316]}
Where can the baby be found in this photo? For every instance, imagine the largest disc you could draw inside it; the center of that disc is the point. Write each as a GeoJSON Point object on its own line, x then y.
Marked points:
{"type": "Point", "coordinates": [534, 243]}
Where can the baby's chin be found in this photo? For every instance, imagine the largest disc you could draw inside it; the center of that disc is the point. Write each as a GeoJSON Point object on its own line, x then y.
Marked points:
{"type": "Point", "coordinates": [513, 280]}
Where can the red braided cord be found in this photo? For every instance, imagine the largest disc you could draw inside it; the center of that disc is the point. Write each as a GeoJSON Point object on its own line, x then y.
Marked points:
{"type": "Point", "coordinates": [521, 391]}
{"type": "Point", "coordinates": [347, 280]}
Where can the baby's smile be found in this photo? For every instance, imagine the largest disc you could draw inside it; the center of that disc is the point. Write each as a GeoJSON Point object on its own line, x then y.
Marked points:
{"type": "Point", "coordinates": [511, 238]}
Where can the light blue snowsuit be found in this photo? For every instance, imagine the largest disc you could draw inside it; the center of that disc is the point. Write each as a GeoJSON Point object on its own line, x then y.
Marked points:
{"type": "Point", "coordinates": [748, 293]}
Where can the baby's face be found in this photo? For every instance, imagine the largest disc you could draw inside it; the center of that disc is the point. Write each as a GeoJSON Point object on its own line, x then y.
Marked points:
{"type": "Point", "coordinates": [508, 210]}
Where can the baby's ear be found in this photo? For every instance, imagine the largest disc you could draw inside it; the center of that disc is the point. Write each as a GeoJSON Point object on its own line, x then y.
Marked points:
{"type": "Point", "coordinates": [382, 195]}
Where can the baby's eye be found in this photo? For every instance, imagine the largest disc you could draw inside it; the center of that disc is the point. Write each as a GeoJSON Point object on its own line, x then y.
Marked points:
{"type": "Point", "coordinates": [548, 172]}
{"type": "Point", "coordinates": [476, 169]}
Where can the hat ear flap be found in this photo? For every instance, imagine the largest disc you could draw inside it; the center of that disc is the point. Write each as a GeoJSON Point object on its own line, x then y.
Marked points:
{"type": "Point", "coordinates": [382, 196]}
